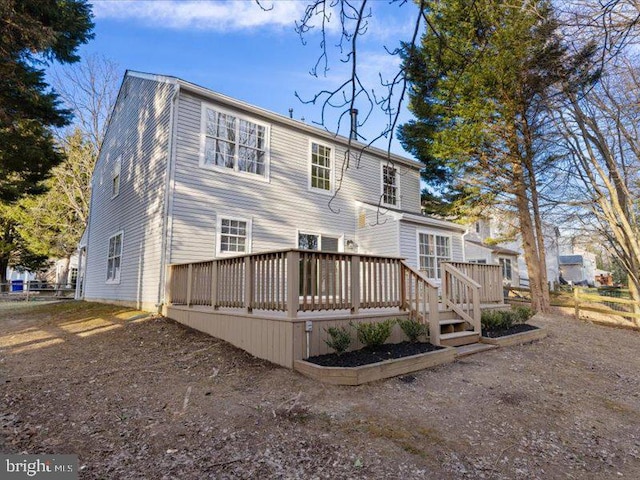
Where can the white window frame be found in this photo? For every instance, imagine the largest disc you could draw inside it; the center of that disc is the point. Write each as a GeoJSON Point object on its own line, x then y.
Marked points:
{"type": "Point", "coordinates": [116, 278]}
{"type": "Point", "coordinates": [434, 234]}
{"type": "Point", "coordinates": [332, 170]}
{"type": "Point", "coordinates": [382, 167]}
{"type": "Point", "coordinates": [234, 171]}
{"type": "Point", "coordinates": [339, 236]}
{"type": "Point", "coordinates": [248, 235]}
{"type": "Point", "coordinates": [502, 262]}
{"type": "Point", "coordinates": [116, 177]}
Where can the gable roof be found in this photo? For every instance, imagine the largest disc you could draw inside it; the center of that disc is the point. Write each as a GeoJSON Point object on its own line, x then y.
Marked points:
{"type": "Point", "coordinates": [494, 248]}
{"type": "Point", "coordinates": [570, 260]}
{"type": "Point", "coordinates": [276, 117]}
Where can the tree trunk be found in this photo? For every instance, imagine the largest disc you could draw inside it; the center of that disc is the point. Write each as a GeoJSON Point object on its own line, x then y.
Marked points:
{"type": "Point", "coordinates": [64, 275]}
{"type": "Point", "coordinates": [530, 244]}
{"type": "Point", "coordinates": [4, 264]}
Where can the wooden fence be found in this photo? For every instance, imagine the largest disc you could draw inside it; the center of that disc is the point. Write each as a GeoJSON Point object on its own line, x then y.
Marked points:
{"type": "Point", "coordinates": [593, 300]}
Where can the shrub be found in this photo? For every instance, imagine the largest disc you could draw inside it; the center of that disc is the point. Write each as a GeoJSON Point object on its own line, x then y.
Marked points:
{"type": "Point", "coordinates": [523, 314]}
{"type": "Point", "coordinates": [374, 333]}
{"type": "Point", "coordinates": [496, 320]}
{"type": "Point", "coordinates": [339, 339]}
{"type": "Point", "coordinates": [413, 329]}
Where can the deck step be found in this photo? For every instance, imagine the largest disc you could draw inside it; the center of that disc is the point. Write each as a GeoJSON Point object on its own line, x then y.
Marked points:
{"type": "Point", "coordinates": [456, 339]}
{"type": "Point", "coordinates": [472, 348]}
{"type": "Point", "coordinates": [452, 321]}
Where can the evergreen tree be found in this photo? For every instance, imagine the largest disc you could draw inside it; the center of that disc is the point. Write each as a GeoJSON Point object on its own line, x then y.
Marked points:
{"type": "Point", "coordinates": [481, 81]}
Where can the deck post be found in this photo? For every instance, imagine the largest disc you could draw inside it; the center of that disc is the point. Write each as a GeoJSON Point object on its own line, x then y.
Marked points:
{"type": "Point", "coordinates": [189, 283]}
{"type": "Point", "coordinates": [434, 314]}
{"type": "Point", "coordinates": [403, 287]}
{"type": "Point", "coordinates": [168, 283]}
{"type": "Point", "coordinates": [214, 284]}
{"type": "Point", "coordinates": [293, 283]}
{"type": "Point", "coordinates": [355, 283]}
{"type": "Point", "coordinates": [248, 283]}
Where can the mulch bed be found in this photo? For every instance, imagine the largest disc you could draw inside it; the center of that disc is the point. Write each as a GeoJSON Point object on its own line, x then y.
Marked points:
{"type": "Point", "coordinates": [522, 327]}
{"type": "Point", "coordinates": [367, 355]}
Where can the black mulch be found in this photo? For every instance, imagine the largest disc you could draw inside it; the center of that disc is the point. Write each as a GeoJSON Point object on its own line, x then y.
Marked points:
{"type": "Point", "coordinates": [366, 356]}
{"type": "Point", "coordinates": [522, 327]}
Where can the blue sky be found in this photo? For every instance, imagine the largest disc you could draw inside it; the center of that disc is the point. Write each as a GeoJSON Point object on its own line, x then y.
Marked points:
{"type": "Point", "coordinates": [236, 48]}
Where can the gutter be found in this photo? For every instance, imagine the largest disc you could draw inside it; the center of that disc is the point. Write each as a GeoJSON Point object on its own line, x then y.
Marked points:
{"type": "Point", "coordinates": [167, 214]}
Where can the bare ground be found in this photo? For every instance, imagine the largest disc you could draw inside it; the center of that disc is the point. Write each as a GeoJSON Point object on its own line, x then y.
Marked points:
{"type": "Point", "coordinates": [143, 397]}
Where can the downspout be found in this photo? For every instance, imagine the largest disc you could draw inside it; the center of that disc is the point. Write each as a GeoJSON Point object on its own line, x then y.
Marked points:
{"type": "Point", "coordinates": [168, 197]}
{"type": "Point", "coordinates": [83, 291]}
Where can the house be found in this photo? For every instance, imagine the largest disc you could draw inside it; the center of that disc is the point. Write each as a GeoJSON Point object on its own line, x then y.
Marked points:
{"type": "Point", "coordinates": [216, 212]}
{"type": "Point", "coordinates": [578, 269]}
{"type": "Point", "coordinates": [481, 247]}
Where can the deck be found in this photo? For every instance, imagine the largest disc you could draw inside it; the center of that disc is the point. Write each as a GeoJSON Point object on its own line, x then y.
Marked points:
{"type": "Point", "coordinates": [278, 305]}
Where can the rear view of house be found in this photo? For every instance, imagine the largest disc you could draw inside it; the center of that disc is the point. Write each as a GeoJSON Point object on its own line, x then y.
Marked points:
{"type": "Point", "coordinates": [199, 198]}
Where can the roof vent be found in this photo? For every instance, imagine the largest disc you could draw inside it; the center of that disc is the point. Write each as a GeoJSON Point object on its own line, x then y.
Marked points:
{"type": "Point", "coordinates": [354, 124]}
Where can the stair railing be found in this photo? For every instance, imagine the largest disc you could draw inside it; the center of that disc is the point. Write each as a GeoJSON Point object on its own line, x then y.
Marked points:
{"type": "Point", "coordinates": [462, 295]}
{"type": "Point", "coordinates": [420, 298]}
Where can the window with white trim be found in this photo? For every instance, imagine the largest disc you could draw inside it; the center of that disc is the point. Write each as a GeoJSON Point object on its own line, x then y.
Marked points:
{"type": "Point", "coordinates": [114, 258]}
{"type": "Point", "coordinates": [389, 185]}
{"type": "Point", "coordinates": [432, 251]}
{"type": "Point", "coordinates": [321, 167]}
{"type": "Point", "coordinates": [234, 142]}
{"type": "Point", "coordinates": [234, 235]}
{"type": "Point", "coordinates": [115, 178]}
{"type": "Point", "coordinates": [505, 263]}
{"type": "Point", "coordinates": [313, 241]}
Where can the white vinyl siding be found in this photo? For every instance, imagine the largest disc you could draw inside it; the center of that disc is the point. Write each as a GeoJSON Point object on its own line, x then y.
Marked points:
{"type": "Point", "coordinates": [137, 138]}
{"type": "Point", "coordinates": [284, 205]}
{"type": "Point", "coordinates": [390, 183]}
{"type": "Point", "coordinates": [114, 258]}
{"type": "Point", "coordinates": [321, 167]}
{"type": "Point", "coordinates": [233, 142]}
{"type": "Point", "coordinates": [234, 236]}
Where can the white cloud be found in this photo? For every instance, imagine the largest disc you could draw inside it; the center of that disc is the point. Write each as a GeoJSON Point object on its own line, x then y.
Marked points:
{"type": "Point", "coordinates": [223, 15]}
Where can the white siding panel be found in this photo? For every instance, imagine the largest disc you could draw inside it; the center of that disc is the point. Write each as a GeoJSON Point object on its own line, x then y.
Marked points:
{"type": "Point", "coordinates": [277, 208]}
{"type": "Point", "coordinates": [379, 234]}
{"type": "Point", "coordinates": [138, 133]}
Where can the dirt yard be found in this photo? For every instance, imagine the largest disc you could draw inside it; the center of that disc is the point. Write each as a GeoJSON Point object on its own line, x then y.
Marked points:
{"type": "Point", "coordinates": [142, 397]}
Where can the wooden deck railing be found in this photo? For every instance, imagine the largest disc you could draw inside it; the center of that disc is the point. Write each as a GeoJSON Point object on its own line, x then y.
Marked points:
{"type": "Point", "coordinates": [289, 281]}
{"type": "Point", "coordinates": [488, 276]}
{"type": "Point", "coordinates": [462, 295]}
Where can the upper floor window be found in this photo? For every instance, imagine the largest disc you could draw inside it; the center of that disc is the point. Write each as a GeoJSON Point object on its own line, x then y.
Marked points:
{"type": "Point", "coordinates": [389, 185]}
{"type": "Point", "coordinates": [234, 142]}
{"type": "Point", "coordinates": [321, 167]}
{"type": "Point", "coordinates": [114, 258]}
{"type": "Point", "coordinates": [115, 178]}
{"type": "Point", "coordinates": [234, 235]}
{"type": "Point", "coordinates": [432, 251]}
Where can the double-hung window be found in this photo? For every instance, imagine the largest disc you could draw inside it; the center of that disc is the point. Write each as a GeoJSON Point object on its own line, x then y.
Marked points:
{"type": "Point", "coordinates": [321, 167]}
{"type": "Point", "coordinates": [235, 143]}
{"type": "Point", "coordinates": [234, 235]}
{"type": "Point", "coordinates": [505, 263]}
{"type": "Point", "coordinates": [389, 185]}
{"type": "Point", "coordinates": [432, 251]}
{"type": "Point", "coordinates": [114, 258]}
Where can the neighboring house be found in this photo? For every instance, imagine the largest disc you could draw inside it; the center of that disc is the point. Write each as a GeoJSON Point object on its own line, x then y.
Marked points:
{"type": "Point", "coordinates": [578, 269]}
{"type": "Point", "coordinates": [493, 228]}
{"type": "Point", "coordinates": [478, 252]}
{"type": "Point", "coordinates": [186, 174]}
